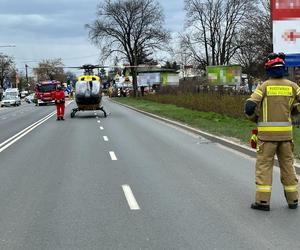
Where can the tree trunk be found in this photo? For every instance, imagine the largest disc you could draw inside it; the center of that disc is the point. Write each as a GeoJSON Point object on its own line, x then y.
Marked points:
{"type": "Point", "coordinates": [134, 82]}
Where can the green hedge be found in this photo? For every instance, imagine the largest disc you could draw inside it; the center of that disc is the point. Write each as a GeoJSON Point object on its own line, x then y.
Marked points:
{"type": "Point", "coordinates": [232, 106]}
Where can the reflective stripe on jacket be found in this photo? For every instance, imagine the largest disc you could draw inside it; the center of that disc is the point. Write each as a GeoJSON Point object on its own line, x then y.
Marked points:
{"type": "Point", "coordinates": [275, 99]}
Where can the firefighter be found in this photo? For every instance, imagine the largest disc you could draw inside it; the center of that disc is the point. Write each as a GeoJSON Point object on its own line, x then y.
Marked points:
{"type": "Point", "coordinates": [60, 102]}
{"type": "Point", "coordinates": [271, 106]}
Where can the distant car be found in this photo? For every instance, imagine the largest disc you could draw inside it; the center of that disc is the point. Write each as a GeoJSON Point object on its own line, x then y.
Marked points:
{"type": "Point", "coordinates": [11, 100]}
{"type": "Point", "coordinates": [30, 98]}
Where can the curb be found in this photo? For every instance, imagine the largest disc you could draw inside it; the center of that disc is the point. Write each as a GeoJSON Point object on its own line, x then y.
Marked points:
{"type": "Point", "coordinates": [214, 138]}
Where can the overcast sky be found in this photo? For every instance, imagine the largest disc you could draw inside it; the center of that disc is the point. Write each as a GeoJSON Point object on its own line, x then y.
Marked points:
{"type": "Point", "coordinates": [55, 29]}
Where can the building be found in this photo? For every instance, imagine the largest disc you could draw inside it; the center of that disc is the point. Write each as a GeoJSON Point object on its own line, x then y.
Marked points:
{"type": "Point", "coordinates": [158, 76]}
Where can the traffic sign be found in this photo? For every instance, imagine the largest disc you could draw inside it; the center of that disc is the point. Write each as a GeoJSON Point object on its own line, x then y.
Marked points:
{"type": "Point", "coordinates": [286, 26]}
{"type": "Point", "coordinates": [292, 60]}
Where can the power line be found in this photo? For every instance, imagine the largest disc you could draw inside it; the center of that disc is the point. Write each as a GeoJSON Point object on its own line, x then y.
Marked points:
{"type": "Point", "coordinates": [7, 46]}
{"type": "Point", "coordinates": [64, 59]}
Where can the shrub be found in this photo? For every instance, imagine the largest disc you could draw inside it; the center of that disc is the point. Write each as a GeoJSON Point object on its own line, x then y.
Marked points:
{"type": "Point", "coordinates": [230, 105]}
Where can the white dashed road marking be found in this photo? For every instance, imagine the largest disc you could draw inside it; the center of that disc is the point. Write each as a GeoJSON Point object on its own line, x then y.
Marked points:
{"type": "Point", "coordinates": [113, 156]}
{"type": "Point", "coordinates": [101, 128]}
{"type": "Point", "coordinates": [98, 121]}
{"type": "Point", "coordinates": [105, 138]}
{"type": "Point", "coordinates": [130, 198]}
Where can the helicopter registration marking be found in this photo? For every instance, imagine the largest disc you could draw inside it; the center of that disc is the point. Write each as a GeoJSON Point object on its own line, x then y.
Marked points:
{"type": "Point", "coordinates": [113, 156]}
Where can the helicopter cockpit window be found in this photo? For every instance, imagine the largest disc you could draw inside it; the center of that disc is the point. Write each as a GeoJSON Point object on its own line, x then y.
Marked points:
{"type": "Point", "coordinates": [87, 86]}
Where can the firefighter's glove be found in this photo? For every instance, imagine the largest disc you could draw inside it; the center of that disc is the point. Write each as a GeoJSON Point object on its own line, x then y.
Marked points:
{"type": "Point", "coordinates": [250, 108]}
{"type": "Point", "coordinates": [253, 140]}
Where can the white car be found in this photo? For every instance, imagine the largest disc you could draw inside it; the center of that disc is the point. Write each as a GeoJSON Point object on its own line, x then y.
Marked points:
{"type": "Point", "coordinates": [10, 100]}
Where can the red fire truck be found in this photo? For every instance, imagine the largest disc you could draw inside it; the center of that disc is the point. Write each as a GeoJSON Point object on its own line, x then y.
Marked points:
{"type": "Point", "coordinates": [45, 92]}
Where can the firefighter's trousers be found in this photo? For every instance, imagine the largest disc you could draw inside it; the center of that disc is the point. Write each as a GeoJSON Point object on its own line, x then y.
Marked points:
{"type": "Point", "coordinates": [266, 151]}
{"type": "Point", "coordinates": [60, 110]}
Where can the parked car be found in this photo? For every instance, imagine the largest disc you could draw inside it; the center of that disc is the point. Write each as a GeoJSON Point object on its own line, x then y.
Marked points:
{"type": "Point", "coordinates": [10, 100]}
{"type": "Point", "coordinates": [30, 98]}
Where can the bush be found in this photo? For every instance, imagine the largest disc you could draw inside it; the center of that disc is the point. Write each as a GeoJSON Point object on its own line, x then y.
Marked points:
{"type": "Point", "coordinates": [230, 105]}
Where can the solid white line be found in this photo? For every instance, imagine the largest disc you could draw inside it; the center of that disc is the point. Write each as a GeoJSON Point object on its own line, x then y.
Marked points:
{"type": "Point", "coordinates": [113, 155]}
{"type": "Point", "coordinates": [101, 128]}
{"type": "Point", "coordinates": [22, 131]}
{"type": "Point", "coordinates": [25, 133]}
{"type": "Point", "coordinates": [105, 138]}
{"type": "Point", "coordinates": [130, 198]}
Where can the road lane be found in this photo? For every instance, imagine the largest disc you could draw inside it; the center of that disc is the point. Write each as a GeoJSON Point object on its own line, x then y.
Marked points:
{"type": "Point", "coordinates": [15, 119]}
{"type": "Point", "coordinates": [196, 191]}
{"type": "Point", "coordinates": [58, 193]}
{"type": "Point", "coordinates": [60, 189]}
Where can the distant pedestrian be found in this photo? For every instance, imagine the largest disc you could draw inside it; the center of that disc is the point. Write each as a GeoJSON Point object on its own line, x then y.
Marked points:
{"type": "Point", "coordinates": [60, 102]}
{"type": "Point", "coordinates": [143, 90]}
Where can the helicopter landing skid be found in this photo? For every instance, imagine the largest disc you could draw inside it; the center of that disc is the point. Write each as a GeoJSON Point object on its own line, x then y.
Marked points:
{"type": "Point", "coordinates": [74, 111]}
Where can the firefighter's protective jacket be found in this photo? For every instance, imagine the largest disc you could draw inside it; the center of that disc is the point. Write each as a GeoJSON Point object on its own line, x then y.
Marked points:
{"type": "Point", "coordinates": [59, 96]}
{"type": "Point", "coordinates": [275, 101]}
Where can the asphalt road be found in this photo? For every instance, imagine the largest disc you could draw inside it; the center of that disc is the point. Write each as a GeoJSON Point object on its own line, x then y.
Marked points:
{"type": "Point", "coordinates": [14, 119]}
{"type": "Point", "coordinates": [131, 182]}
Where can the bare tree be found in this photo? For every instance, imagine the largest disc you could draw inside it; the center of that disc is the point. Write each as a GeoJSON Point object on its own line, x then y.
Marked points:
{"type": "Point", "coordinates": [50, 69]}
{"type": "Point", "coordinates": [133, 28]}
{"type": "Point", "coordinates": [213, 37]}
{"type": "Point", "coordinates": [257, 37]}
{"type": "Point", "coordinates": [6, 68]}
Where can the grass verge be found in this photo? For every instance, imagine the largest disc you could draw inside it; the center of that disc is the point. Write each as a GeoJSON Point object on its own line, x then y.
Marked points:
{"type": "Point", "coordinates": [225, 126]}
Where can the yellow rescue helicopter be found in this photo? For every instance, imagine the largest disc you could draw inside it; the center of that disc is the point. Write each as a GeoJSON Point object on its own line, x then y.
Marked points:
{"type": "Point", "coordinates": [88, 94]}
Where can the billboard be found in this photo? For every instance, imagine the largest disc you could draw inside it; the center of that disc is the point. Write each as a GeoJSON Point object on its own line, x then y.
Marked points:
{"type": "Point", "coordinates": [286, 26]}
{"type": "Point", "coordinates": [146, 79]}
{"type": "Point", "coordinates": [224, 75]}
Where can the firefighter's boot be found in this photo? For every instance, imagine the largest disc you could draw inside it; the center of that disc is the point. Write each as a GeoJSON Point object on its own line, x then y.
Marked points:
{"type": "Point", "coordinates": [259, 206]}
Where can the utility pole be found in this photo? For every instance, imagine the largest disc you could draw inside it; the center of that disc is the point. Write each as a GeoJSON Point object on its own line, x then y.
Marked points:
{"type": "Point", "coordinates": [26, 70]}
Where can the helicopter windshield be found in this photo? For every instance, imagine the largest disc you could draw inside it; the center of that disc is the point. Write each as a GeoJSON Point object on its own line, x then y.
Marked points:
{"type": "Point", "coordinates": [46, 87]}
{"type": "Point", "coordinates": [83, 86]}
